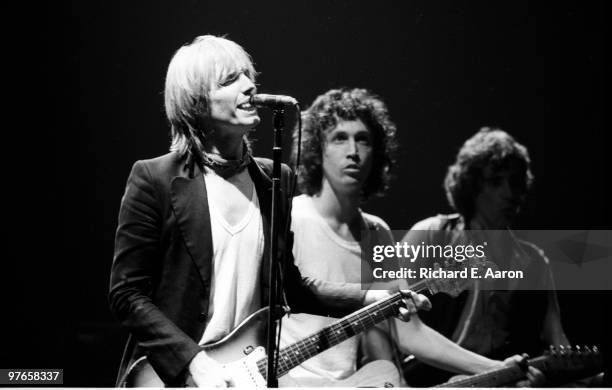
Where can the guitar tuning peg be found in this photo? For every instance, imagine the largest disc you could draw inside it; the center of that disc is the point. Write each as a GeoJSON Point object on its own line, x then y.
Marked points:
{"type": "Point", "coordinates": [561, 350]}
{"type": "Point", "coordinates": [578, 350]}
{"type": "Point", "coordinates": [595, 349]}
{"type": "Point", "coordinates": [587, 349]}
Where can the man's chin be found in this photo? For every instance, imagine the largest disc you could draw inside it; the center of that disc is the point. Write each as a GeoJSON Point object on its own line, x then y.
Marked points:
{"type": "Point", "coordinates": [351, 186]}
{"type": "Point", "coordinates": [253, 122]}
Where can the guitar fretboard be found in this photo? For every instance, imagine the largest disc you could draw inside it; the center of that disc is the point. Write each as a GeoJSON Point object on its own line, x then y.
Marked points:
{"type": "Point", "coordinates": [573, 364]}
{"type": "Point", "coordinates": [295, 354]}
{"type": "Point", "coordinates": [495, 377]}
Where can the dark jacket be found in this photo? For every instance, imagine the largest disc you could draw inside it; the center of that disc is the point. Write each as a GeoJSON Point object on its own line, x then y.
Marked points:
{"type": "Point", "coordinates": [161, 272]}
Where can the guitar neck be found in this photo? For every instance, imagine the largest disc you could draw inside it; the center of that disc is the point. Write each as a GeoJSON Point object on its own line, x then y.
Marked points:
{"type": "Point", "coordinates": [496, 377]}
{"type": "Point", "coordinates": [571, 365]}
{"type": "Point", "coordinates": [295, 354]}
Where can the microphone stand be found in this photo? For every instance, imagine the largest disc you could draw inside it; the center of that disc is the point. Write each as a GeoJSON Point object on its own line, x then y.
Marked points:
{"type": "Point", "coordinates": [277, 150]}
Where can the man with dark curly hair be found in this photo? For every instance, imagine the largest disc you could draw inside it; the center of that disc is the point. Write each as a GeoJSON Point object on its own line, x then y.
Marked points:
{"type": "Point", "coordinates": [347, 145]}
{"type": "Point", "coordinates": [487, 185]}
{"type": "Point", "coordinates": [340, 106]}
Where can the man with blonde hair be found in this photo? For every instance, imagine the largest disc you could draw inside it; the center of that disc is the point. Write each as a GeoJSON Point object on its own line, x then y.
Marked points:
{"type": "Point", "coordinates": [191, 247]}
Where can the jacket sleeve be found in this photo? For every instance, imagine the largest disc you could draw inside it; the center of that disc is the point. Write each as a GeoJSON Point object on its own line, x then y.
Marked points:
{"type": "Point", "coordinates": [136, 265]}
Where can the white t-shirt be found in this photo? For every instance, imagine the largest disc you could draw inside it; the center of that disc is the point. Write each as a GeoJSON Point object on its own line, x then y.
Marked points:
{"type": "Point", "coordinates": [237, 256]}
{"type": "Point", "coordinates": [321, 253]}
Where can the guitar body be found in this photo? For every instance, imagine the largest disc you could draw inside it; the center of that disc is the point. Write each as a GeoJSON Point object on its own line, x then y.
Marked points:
{"type": "Point", "coordinates": [379, 373]}
{"type": "Point", "coordinates": [241, 354]}
{"type": "Point", "coordinates": [239, 350]}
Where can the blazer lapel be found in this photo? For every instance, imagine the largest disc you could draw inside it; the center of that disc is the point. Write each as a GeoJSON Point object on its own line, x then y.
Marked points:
{"type": "Point", "coordinates": [190, 203]}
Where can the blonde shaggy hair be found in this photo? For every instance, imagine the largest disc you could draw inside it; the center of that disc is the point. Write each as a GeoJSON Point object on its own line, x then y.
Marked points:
{"type": "Point", "coordinates": [195, 70]}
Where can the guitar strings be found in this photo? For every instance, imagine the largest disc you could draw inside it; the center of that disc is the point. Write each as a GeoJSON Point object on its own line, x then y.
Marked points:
{"type": "Point", "coordinates": [333, 334]}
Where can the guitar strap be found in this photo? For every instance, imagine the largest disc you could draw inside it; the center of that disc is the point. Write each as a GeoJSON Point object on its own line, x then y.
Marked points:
{"type": "Point", "coordinates": [373, 239]}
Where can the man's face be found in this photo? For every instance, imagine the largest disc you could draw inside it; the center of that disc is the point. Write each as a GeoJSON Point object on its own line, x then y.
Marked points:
{"type": "Point", "coordinates": [501, 196]}
{"type": "Point", "coordinates": [347, 156]}
{"type": "Point", "coordinates": [230, 109]}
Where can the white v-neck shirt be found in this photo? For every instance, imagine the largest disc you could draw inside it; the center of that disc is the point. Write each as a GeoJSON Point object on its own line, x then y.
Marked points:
{"type": "Point", "coordinates": [237, 258]}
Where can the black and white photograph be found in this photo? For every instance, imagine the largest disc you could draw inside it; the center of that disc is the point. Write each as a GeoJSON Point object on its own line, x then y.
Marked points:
{"type": "Point", "coordinates": [311, 194]}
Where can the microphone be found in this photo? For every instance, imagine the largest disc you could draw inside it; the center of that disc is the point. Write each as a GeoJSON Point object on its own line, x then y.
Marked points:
{"type": "Point", "coordinates": [272, 101]}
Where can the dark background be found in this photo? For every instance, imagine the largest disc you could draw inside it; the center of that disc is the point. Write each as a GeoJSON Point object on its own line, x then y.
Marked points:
{"type": "Point", "coordinates": [91, 104]}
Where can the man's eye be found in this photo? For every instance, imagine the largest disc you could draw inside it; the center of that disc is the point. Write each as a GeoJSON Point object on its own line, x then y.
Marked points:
{"type": "Point", "coordinates": [250, 75]}
{"type": "Point", "coordinates": [364, 140]}
{"type": "Point", "coordinates": [339, 138]}
{"type": "Point", "coordinates": [229, 79]}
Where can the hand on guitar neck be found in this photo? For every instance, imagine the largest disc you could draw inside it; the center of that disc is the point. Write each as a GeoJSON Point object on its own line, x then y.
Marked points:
{"type": "Point", "coordinates": [534, 377]}
{"type": "Point", "coordinates": [412, 302]}
{"type": "Point", "coordinates": [561, 365]}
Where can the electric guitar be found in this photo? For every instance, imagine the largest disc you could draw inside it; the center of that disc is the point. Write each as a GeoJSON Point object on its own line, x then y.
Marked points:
{"type": "Point", "coordinates": [242, 354]}
{"type": "Point", "coordinates": [561, 365]}
{"type": "Point", "coordinates": [379, 373]}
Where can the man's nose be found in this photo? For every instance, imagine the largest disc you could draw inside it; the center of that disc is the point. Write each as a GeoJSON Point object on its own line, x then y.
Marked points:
{"type": "Point", "coordinates": [353, 148]}
{"type": "Point", "coordinates": [248, 86]}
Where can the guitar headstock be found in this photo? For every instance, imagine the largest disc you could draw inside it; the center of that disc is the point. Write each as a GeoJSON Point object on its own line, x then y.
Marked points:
{"type": "Point", "coordinates": [575, 359]}
{"type": "Point", "coordinates": [569, 351]}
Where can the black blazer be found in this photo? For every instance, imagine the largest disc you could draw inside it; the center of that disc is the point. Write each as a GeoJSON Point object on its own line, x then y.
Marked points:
{"type": "Point", "coordinates": [161, 272]}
